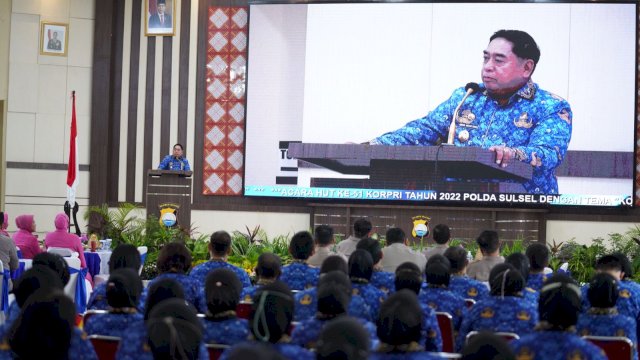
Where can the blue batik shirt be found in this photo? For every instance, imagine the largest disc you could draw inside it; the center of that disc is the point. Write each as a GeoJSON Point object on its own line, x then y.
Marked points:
{"type": "Point", "coordinates": [288, 351]}
{"type": "Point", "coordinates": [431, 335]}
{"type": "Point", "coordinates": [536, 281]}
{"type": "Point", "coordinates": [627, 303]}
{"type": "Point", "coordinates": [497, 314]}
{"type": "Point", "coordinates": [306, 306]}
{"type": "Point", "coordinates": [443, 300]}
{"type": "Point", "coordinates": [299, 276]}
{"type": "Point", "coordinates": [170, 162]}
{"type": "Point", "coordinates": [384, 281]}
{"type": "Point", "coordinates": [555, 345]}
{"type": "Point", "coordinates": [534, 122]}
{"type": "Point", "coordinates": [370, 294]}
{"type": "Point", "coordinates": [607, 322]}
{"type": "Point", "coordinates": [531, 296]}
{"type": "Point", "coordinates": [80, 348]}
{"type": "Point", "coordinates": [98, 298]}
{"type": "Point", "coordinates": [307, 332]}
{"type": "Point", "coordinates": [135, 346]}
{"type": "Point", "coordinates": [193, 291]}
{"type": "Point", "coordinates": [112, 324]}
{"type": "Point", "coordinates": [201, 271]}
{"type": "Point", "coordinates": [468, 288]}
{"type": "Point", "coordinates": [229, 331]}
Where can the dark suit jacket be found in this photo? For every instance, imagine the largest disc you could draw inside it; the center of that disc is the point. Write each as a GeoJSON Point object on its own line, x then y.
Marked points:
{"type": "Point", "coordinates": [154, 21]}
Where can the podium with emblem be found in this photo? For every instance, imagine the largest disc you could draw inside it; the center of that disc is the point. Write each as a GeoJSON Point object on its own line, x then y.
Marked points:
{"type": "Point", "coordinates": [169, 192]}
{"type": "Point", "coordinates": [441, 168]}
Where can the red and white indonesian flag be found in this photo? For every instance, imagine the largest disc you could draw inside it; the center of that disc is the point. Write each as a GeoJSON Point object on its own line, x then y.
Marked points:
{"type": "Point", "coordinates": [72, 170]}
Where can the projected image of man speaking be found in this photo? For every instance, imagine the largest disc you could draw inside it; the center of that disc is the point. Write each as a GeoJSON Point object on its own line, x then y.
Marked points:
{"type": "Point", "coordinates": [507, 113]}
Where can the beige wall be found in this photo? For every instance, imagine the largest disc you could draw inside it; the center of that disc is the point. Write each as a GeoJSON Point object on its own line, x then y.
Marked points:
{"type": "Point", "coordinates": [5, 27]}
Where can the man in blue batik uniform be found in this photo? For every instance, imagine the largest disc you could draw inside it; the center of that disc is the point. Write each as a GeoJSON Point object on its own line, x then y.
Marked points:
{"type": "Point", "coordinates": [219, 249]}
{"type": "Point", "coordinates": [460, 284]}
{"type": "Point", "coordinates": [175, 161]}
{"type": "Point", "coordinates": [509, 114]}
{"type": "Point", "coordinates": [381, 279]}
{"type": "Point", "coordinates": [267, 270]}
{"type": "Point", "coordinates": [538, 254]}
{"type": "Point", "coordinates": [299, 275]}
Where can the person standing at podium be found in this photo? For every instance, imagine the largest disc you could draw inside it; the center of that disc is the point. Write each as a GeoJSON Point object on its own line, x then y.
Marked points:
{"type": "Point", "coordinates": [175, 161]}
{"type": "Point", "coordinates": [507, 113]}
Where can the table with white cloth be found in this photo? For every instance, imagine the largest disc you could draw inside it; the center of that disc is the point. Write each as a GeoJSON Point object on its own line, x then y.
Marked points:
{"type": "Point", "coordinates": [98, 262]}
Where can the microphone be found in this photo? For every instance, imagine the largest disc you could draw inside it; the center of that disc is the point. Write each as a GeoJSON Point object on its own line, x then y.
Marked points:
{"type": "Point", "coordinates": [471, 88]}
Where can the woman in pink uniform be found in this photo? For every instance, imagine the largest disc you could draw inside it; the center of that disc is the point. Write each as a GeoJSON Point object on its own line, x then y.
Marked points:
{"type": "Point", "coordinates": [61, 238]}
{"type": "Point", "coordinates": [24, 237]}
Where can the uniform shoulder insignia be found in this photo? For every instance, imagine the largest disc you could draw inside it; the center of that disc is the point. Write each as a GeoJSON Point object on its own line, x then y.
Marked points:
{"type": "Point", "coordinates": [525, 354]}
{"type": "Point", "coordinates": [384, 289]}
{"type": "Point", "coordinates": [624, 293]}
{"type": "Point", "coordinates": [4, 345]}
{"type": "Point", "coordinates": [584, 332]}
{"type": "Point", "coordinates": [528, 289]}
{"type": "Point", "coordinates": [621, 332]}
{"type": "Point", "coordinates": [487, 313]}
{"type": "Point", "coordinates": [473, 292]}
{"type": "Point", "coordinates": [576, 355]}
{"type": "Point", "coordinates": [306, 299]}
{"type": "Point", "coordinates": [433, 305]}
{"type": "Point", "coordinates": [355, 291]}
{"type": "Point", "coordinates": [524, 316]}
{"type": "Point", "coordinates": [247, 298]}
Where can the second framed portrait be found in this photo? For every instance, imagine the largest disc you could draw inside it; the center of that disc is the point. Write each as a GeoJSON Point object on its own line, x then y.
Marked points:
{"type": "Point", "coordinates": [53, 38]}
{"type": "Point", "coordinates": [160, 17]}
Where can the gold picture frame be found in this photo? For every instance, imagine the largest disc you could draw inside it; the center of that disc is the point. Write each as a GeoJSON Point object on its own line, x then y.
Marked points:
{"type": "Point", "coordinates": [54, 38]}
{"type": "Point", "coordinates": [157, 25]}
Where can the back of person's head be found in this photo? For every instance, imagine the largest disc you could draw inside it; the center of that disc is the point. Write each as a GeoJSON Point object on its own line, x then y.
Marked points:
{"type": "Point", "coordinates": [334, 295]}
{"type": "Point", "coordinates": [301, 245]}
{"type": "Point", "coordinates": [610, 264]}
{"type": "Point", "coordinates": [488, 242]}
{"type": "Point", "coordinates": [323, 235]}
{"type": "Point", "coordinates": [441, 234]}
{"type": "Point", "coordinates": [253, 351]}
{"type": "Point", "coordinates": [174, 257]}
{"type": "Point", "coordinates": [487, 346]}
{"type": "Point", "coordinates": [538, 255]}
{"type": "Point", "coordinates": [220, 243]}
{"type": "Point", "coordinates": [408, 276]}
{"type": "Point", "coordinates": [373, 247]}
{"type": "Point", "coordinates": [343, 338]}
{"type": "Point", "coordinates": [125, 256]}
{"type": "Point", "coordinates": [362, 228]}
{"type": "Point", "coordinates": [35, 279]}
{"type": "Point", "coordinates": [457, 257]}
{"type": "Point", "coordinates": [222, 290]}
{"type": "Point", "coordinates": [505, 280]}
{"type": "Point", "coordinates": [559, 303]}
{"type": "Point", "coordinates": [395, 235]}
{"type": "Point", "coordinates": [438, 271]}
{"type": "Point", "coordinates": [360, 266]}
{"type": "Point", "coordinates": [272, 312]}
{"type": "Point", "coordinates": [603, 291]}
{"type": "Point", "coordinates": [524, 46]}
{"type": "Point", "coordinates": [174, 331]}
{"type": "Point", "coordinates": [334, 263]}
{"type": "Point", "coordinates": [1, 219]}
{"type": "Point", "coordinates": [521, 262]}
{"type": "Point", "coordinates": [45, 327]}
{"type": "Point", "coordinates": [161, 290]}
{"type": "Point", "coordinates": [400, 320]}
{"type": "Point", "coordinates": [54, 262]}
{"type": "Point", "coordinates": [627, 269]}
{"type": "Point", "coordinates": [25, 222]}
{"type": "Point", "coordinates": [124, 288]}
{"type": "Point", "coordinates": [269, 266]}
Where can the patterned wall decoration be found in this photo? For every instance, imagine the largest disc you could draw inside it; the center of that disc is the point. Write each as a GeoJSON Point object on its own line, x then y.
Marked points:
{"type": "Point", "coordinates": [223, 164]}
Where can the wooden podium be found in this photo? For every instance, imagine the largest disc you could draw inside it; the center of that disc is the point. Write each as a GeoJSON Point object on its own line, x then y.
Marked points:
{"type": "Point", "coordinates": [166, 188]}
{"type": "Point", "coordinates": [440, 168]}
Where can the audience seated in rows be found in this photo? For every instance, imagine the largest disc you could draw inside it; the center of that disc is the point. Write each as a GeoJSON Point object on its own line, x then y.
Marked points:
{"type": "Point", "coordinates": [299, 275]}
{"type": "Point", "coordinates": [62, 238]}
{"type": "Point", "coordinates": [360, 271]}
{"type": "Point", "coordinates": [267, 270]}
{"type": "Point", "coordinates": [123, 256]}
{"type": "Point", "coordinates": [24, 237]}
{"type": "Point", "coordinates": [219, 250]}
{"type": "Point", "coordinates": [459, 283]}
{"type": "Point", "coordinates": [436, 293]}
{"type": "Point", "coordinates": [380, 278]}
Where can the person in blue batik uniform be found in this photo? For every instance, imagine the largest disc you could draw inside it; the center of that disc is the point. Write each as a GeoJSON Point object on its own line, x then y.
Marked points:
{"type": "Point", "coordinates": [436, 293]}
{"type": "Point", "coordinates": [487, 345]}
{"type": "Point", "coordinates": [299, 275]}
{"type": "Point", "coordinates": [400, 328]}
{"type": "Point", "coordinates": [627, 275]}
{"type": "Point", "coordinates": [409, 276]}
{"type": "Point", "coordinates": [504, 310]}
{"type": "Point", "coordinates": [602, 319]}
{"type": "Point", "coordinates": [360, 271]}
{"type": "Point", "coordinates": [383, 280]}
{"type": "Point", "coordinates": [272, 312]}
{"type": "Point", "coordinates": [174, 261]}
{"type": "Point", "coordinates": [175, 161]}
{"type": "Point", "coordinates": [267, 270]}
{"type": "Point", "coordinates": [221, 325]}
{"type": "Point", "coordinates": [521, 263]}
{"type": "Point", "coordinates": [307, 300]}
{"type": "Point", "coordinates": [219, 249]}
{"type": "Point", "coordinates": [555, 338]}
{"type": "Point", "coordinates": [334, 295]}
{"type": "Point", "coordinates": [509, 114]}
{"type": "Point", "coordinates": [123, 256]}
{"type": "Point", "coordinates": [538, 255]}
{"type": "Point", "coordinates": [459, 283]}
{"type": "Point", "coordinates": [343, 338]}
{"type": "Point", "coordinates": [45, 330]}
{"type": "Point", "coordinates": [123, 292]}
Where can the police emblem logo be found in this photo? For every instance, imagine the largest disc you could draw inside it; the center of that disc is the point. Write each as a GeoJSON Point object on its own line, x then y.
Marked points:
{"type": "Point", "coordinates": [420, 226]}
{"type": "Point", "coordinates": [306, 299]}
{"type": "Point", "coordinates": [625, 294]}
{"type": "Point", "coordinates": [523, 121]}
{"type": "Point", "coordinates": [487, 313]}
{"type": "Point", "coordinates": [524, 316]}
{"type": "Point", "coordinates": [168, 214]}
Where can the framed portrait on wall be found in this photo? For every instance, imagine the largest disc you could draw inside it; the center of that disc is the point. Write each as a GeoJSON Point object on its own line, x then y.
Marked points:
{"type": "Point", "coordinates": [160, 20]}
{"type": "Point", "coordinates": [53, 38]}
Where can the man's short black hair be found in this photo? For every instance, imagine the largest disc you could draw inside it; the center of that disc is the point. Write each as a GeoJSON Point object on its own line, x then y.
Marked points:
{"type": "Point", "coordinates": [323, 235]}
{"type": "Point", "coordinates": [438, 271]}
{"type": "Point", "coordinates": [372, 246]}
{"type": "Point", "coordinates": [524, 46]}
{"type": "Point", "coordinates": [457, 257]}
{"type": "Point", "coordinates": [538, 254]}
{"type": "Point", "coordinates": [441, 234]}
{"type": "Point", "coordinates": [301, 245]}
{"type": "Point", "coordinates": [626, 264]}
{"type": "Point", "coordinates": [360, 265]}
{"type": "Point", "coordinates": [609, 262]}
{"type": "Point", "coordinates": [268, 266]}
{"type": "Point", "coordinates": [395, 235]}
{"type": "Point", "coordinates": [362, 228]}
{"type": "Point", "coordinates": [488, 241]}
{"type": "Point", "coordinates": [220, 242]}
{"type": "Point", "coordinates": [181, 147]}
{"type": "Point", "coordinates": [520, 262]}
{"type": "Point", "coordinates": [334, 263]}
{"type": "Point", "coordinates": [408, 276]}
